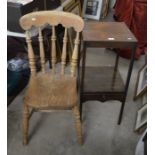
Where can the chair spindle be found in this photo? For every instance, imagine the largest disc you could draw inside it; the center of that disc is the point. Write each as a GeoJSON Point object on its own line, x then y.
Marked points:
{"type": "Point", "coordinates": [75, 55]}
{"type": "Point", "coordinates": [63, 57]}
{"type": "Point", "coordinates": [31, 54]}
{"type": "Point", "coordinates": [53, 49]}
{"type": "Point", "coordinates": [42, 52]}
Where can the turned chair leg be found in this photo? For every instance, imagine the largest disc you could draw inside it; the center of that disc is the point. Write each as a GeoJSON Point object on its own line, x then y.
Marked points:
{"type": "Point", "coordinates": [25, 124]}
{"type": "Point", "coordinates": [78, 124]}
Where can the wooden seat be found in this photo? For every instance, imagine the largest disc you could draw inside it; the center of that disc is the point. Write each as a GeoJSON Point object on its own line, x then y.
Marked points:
{"type": "Point", "coordinates": [61, 93]}
{"type": "Point", "coordinates": [51, 88]}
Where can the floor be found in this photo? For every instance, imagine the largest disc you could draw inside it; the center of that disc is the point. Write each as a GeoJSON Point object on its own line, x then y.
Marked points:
{"type": "Point", "coordinates": [54, 133]}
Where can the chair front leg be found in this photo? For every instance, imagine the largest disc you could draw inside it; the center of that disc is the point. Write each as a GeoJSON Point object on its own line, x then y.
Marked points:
{"type": "Point", "coordinates": [78, 124]}
{"type": "Point", "coordinates": [25, 124]}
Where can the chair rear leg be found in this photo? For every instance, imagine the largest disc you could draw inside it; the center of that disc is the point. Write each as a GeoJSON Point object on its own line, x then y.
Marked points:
{"type": "Point", "coordinates": [78, 124]}
{"type": "Point", "coordinates": [25, 124]}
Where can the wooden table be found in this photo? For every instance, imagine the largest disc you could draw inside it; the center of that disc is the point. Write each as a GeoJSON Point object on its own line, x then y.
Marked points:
{"type": "Point", "coordinates": [105, 83]}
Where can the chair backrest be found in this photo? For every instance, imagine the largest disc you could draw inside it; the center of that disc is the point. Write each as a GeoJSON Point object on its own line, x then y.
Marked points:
{"type": "Point", "coordinates": [53, 18]}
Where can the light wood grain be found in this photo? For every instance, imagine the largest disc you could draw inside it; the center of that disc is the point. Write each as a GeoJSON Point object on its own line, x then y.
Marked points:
{"type": "Point", "coordinates": [75, 56]}
{"type": "Point", "coordinates": [58, 90]}
{"type": "Point", "coordinates": [25, 124]}
{"type": "Point", "coordinates": [53, 49]}
{"type": "Point", "coordinates": [63, 58]}
{"type": "Point", "coordinates": [42, 52]}
{"type": "Point", "coordinates": [78, 124]}
{"type": "Point", "coordinates": [53, 18]}
{"type": "Point", "coordinates": [31, 54]}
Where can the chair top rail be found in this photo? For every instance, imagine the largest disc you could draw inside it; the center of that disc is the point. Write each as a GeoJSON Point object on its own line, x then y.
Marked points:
{"type": "Point", "coordinates": [53, 18]}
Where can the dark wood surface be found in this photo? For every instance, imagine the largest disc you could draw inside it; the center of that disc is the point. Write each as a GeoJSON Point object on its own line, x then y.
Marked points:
{"type": "Point", "coordinates": [102, 31]}
{"type": "Point", "coordinates": [103, 79]}
{"type": "Point", "coordinates": [100, 83]}
{"type": "Point", "coordinates": [107, 34]}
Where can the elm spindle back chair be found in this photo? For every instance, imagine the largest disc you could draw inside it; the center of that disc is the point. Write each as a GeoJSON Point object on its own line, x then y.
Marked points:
{"type": "Point", "coordinates": [51, 89]}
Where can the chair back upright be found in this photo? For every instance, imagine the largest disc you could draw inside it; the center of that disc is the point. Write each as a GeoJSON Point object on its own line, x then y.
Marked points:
{"type": "Point", "coordinates": [53, 18]}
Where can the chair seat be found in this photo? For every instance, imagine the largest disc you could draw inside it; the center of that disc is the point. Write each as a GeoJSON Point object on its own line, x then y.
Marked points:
{"type": "Point", "coordinates": [56, 91]}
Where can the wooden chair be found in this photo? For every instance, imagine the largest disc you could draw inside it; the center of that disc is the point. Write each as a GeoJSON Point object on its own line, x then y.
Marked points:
{"type": "Point", "coordinates": [49, 89]}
